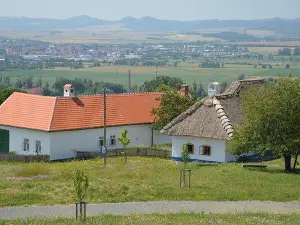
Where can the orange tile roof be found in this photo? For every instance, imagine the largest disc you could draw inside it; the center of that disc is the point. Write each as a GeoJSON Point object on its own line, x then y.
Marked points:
{"type": "Point", "coordinates": [27, 111]}
{"type": "Point", "coordinates": [83, 112]}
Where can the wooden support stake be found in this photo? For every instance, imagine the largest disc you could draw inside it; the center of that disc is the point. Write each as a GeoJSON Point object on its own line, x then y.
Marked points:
{"type": "Point", "coordinates": [82, 206]}
{"type": "Point", "coordinates": [184, 176]}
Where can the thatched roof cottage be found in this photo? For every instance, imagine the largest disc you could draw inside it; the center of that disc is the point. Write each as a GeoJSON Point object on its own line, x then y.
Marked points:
{"type": "Point", "coordinates": [209, 124]}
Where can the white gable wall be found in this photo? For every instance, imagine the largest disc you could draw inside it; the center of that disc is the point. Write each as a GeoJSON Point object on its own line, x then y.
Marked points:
{"type": "Point", "coordinates": [218, 153]}
{"type": "Point", "coordinates": [17, 136]}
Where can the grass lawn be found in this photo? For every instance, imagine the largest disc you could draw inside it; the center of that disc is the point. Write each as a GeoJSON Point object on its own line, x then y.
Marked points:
{"type": "Point", "coordinates": [143, 179]}
{"type": "Point", "coordinates": [119, 74]}
{"type": "Point", "coordinates": [188, 219]}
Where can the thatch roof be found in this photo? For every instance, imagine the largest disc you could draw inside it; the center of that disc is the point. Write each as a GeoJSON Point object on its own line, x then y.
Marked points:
{"type": "Point", "coordinates": [213, 117]}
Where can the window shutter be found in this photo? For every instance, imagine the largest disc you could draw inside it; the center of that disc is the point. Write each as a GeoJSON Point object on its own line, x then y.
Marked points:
{"type": "Point", "coordinates": [200, 150]}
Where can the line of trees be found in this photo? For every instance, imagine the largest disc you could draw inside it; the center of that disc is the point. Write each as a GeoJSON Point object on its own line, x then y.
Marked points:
{"type": "Point", "coordinates": [210, 64]}
{"type": "Point", "coordinates": [289, 51]}
{"type": "Point", "coordinates": [141, 62]}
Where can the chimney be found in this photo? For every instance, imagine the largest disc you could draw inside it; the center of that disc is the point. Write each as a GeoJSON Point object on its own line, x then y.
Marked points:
{"type": "Point", "coordinates": [213, 89]}
{"type": "Point", "coordinates": [69, 91]}
{"type": "Point", "coordinates": [184, 90]}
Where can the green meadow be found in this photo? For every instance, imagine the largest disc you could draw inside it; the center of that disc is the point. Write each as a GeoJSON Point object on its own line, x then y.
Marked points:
{"type": "Point", "coordinates": [143, 179]}
{"type": "Point", "coordinates": [119, 74]}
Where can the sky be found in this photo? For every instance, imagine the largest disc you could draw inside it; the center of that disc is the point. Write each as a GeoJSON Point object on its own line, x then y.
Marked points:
{"type": "Point", "coordinates": [161, 9]}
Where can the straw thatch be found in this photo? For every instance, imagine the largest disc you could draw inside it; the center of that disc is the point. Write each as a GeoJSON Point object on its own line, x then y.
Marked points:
{"type": "Point", "coordinates": [213, 117]}
{"type": "Point", "coordinates": [241, 85]}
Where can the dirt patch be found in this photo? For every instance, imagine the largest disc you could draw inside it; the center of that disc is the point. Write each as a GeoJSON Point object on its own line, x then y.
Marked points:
{"type": "Point", "coordinates": [8, 167]}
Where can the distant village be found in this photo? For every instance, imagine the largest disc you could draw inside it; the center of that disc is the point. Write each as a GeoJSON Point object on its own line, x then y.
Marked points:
{"type": "Point", "coordinates": [38, 51]}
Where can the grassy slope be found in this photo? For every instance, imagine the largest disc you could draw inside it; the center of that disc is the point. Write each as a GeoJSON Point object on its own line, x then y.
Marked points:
{"type": "Point", "coordinates": [144, 179]}
{"type": "Point", "coordinates": [188, 219]}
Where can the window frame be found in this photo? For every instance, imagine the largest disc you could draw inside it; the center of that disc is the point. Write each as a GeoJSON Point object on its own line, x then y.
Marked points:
{"type": "Point", "coordinates": [112, 138]}
{"type": "Point", "coordinates": [205, 150]}
{"type": "Point", "coordinates": [193, 148]}
{"type": "Point", "coordinates": [38, 146]}
{"type": "Point", "coordinates": [26, 144]}
{"type": "Point", "coordinates": [101, 139]}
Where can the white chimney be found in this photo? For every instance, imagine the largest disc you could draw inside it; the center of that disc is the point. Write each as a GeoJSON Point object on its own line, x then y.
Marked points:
{"type": "Point", "coordinates": [184, 90]}
{"type": "Point", "coordinates": [69, 91]}
{"type": "Point", "coordinates": [213, 89]}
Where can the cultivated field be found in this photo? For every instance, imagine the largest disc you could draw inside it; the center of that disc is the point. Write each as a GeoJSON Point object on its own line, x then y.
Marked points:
{"type": "Point", "coordinates": [270, 43]}
{"type": "Point", "coordinates": [174, 219]}
{"type": "Point", "coordinates": [119, 74]}
{"type": "Point", "coordinates": [269, 50]}
{"type": "Point", "coordinates": [143, 179]}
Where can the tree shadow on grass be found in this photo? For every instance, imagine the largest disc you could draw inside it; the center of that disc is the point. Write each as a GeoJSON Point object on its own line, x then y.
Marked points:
{"type": "Point", "coordinates": [274, 170]}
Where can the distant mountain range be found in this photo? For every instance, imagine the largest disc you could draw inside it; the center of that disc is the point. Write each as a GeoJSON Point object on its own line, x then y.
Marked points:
{"type": "Point", "coordinates": [277, 25]}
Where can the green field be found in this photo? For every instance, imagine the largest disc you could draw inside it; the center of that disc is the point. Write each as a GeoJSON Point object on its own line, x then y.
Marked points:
{"type": "Point", "coordinates": [143, 179]}
{"type": "Point", "coordinates": [119, 74]}
{"type": "Point", "coordinates": [174, 219]}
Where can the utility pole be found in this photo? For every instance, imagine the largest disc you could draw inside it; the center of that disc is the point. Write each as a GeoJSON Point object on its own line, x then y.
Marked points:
{"type": "Point", "coordinates": [129, 81]}
{"type": "Point", "coordinates": [104, 127]}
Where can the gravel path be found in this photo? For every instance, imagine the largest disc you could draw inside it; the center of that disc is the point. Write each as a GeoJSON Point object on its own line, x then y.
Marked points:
{"type": "Point", "coordinates": [164, 207]}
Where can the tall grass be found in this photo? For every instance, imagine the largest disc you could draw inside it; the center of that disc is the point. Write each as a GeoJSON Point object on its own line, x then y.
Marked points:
{"type": "Point", "coordinates": [32, 169]}
{"type": "Point", "coordinates": [146, 179]}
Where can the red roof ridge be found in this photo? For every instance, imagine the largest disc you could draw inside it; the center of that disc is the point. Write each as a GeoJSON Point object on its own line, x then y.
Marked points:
{"type": "Point", "coordinates": [113, 94]}
{"type": "Point", "coordinates": [51, 121]}
{"type": "Point", "coordinates": [33, 95]}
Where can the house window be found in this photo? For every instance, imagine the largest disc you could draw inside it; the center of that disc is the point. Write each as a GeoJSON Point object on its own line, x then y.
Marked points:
{"type": "Point", "coordinates": [26, 144]}
{"type": "Point", "coordinates": [112, 141]}
{"type": "Point", "coordinates": [101, 141]}
{"type": "Point", "coordinates": [205, 150]}
{"type": "Point", "coordinates": [190, 148]}
{"type": "Point", "coordinates": [38, 147]}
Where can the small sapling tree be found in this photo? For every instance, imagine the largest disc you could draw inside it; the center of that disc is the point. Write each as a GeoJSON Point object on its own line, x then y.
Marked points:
{"type": "Point", "coordinates": [81, 184]}
{"type": "Point", "coordinates": [124, 139]}
{"type": "Point", "coordinates": [185, 158]}
{"type": "Point", "coordinates": [185, 155]}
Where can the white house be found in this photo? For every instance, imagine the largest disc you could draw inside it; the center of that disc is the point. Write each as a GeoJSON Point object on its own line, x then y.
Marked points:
{"type": "Point", "coordinates": [33, 124]}
{"type": "Point", "coordinates": [208, 125]}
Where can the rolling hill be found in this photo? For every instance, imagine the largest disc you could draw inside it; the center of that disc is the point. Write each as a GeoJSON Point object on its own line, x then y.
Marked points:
{"type": "Point", "coordinates": [289, 27]}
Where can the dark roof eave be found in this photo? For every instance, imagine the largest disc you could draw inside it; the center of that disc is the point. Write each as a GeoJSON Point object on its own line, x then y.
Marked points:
{"type": "Point", "coordinates": [76, 129]}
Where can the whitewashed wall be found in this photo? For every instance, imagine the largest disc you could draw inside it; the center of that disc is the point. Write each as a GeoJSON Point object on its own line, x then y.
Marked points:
{"type": "Point", "coordinates": [62, 143]}
{"type": "Point", "coordinates": [17, 136]}
{"type": "Point", "coordinates": [218, 153]}
{"type": "Point", "coordinates": [159, 139]}
{"type": "Point", "coordinates": [59, 145]}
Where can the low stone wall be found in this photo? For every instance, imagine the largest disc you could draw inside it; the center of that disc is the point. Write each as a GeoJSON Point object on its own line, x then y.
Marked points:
{"type": "Point", "coordinates": [24, 158]}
